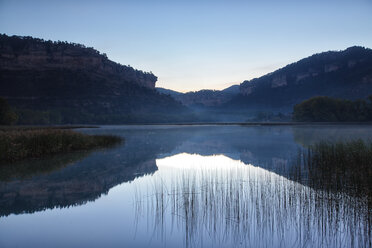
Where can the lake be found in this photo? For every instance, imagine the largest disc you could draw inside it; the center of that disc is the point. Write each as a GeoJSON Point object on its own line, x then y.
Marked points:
{"type": "Point", "coordinates": [182, 186]}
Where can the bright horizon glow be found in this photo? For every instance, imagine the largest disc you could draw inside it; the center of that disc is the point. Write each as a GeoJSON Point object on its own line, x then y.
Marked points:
{"type": "Point", "coordinates": [196, 161]}
{"type": "Point", "coordinates": [193, 45]}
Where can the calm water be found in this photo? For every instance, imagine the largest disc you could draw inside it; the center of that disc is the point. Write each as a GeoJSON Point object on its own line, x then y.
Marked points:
{"type": "Point", "coordinates": [181, 186]}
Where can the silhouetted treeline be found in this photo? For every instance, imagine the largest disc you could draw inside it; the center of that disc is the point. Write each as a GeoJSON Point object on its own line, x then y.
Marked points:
{"type": "Point", "coordinates": [327, 109]}
{"type": "Point", "coordinates": [20, 42]}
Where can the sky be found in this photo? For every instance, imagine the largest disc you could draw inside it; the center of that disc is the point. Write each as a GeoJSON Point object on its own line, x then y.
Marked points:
{"type": "Point", "coordinates": [192, 45]}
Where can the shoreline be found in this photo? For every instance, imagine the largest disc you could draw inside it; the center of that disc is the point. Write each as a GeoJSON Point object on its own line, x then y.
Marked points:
{"type": "Point", "coordinates": [53, 127]}
{"type": "Point", "coordinates": [242, 124]}
{"type": "Point", "coordinates": [66, 127]}
{"type": "Point", "coordinates": [23, 144]}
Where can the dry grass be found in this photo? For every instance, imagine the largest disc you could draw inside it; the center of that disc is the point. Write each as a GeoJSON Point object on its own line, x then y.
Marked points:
{"type": "Point", "coordinates": [17, 145]}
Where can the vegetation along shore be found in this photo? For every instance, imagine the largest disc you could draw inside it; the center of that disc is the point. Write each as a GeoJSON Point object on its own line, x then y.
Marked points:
{"type": "Point", "coordinates": [18, 144]}
{"type": "Point", "coordinates": [338, 166]}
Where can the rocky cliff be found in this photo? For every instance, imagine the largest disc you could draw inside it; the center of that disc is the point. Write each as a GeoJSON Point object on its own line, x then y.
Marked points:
{"type": "Point", "coordinates": [76, 84]}
{"type": "Point", "coordinates": [342, 74]}
{"type": "Point", "coordinates": [27, 53]}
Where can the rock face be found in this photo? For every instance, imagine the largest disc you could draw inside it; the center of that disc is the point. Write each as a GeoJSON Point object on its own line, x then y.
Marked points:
{"type": "Point", "coordinates": [279, 81]}
{"type": "Point", "coordinates": [344, 74]}
{"type": "Point", "coordinates": [77, 84]}
{"type": "Point", "coordinates": [26, 53]}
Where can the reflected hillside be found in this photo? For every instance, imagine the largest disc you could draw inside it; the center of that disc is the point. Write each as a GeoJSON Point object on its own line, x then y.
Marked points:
{"type": "Point", "coordinates": [36, 167]}
{"type": "Point", "coordinates": [267, 147]}
{"type": "Point", "coordinates": [307, 135]}
{"type": "Point", "coordinates": [77, 178]}
{"type": "Point", "coordinates": [81, 180]}
{"type": "Point", "coordinates": [273, 148]}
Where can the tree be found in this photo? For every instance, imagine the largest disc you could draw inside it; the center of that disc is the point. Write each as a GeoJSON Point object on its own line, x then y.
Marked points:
{"type": "Point", "coordinates": [322, 108]}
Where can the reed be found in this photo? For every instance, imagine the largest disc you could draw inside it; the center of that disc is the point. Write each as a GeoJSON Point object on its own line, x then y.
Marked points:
{"type": "Point", "coordinates": [249, 207]}
{"type": "Point", "coordinates": [338, 166]}
{"type": "Point", "coordinates": [22, 144]}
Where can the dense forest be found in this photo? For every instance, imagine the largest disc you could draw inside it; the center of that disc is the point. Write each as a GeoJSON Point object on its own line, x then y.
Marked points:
{"type": "Point", "coordinates": [327, 109]}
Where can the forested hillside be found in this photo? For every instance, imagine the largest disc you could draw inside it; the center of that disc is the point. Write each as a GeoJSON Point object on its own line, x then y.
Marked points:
{"type": "Point", "coordinates": [327, 109]}
{"type": "Point", "coordinates": [59, 82]}
{"type": "Point", "coordinates": [343, 74]}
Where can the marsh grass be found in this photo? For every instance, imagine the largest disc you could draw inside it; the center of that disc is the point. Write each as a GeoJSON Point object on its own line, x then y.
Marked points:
{"type": "Point", "coordinates": [338, 167]}
{"type": "Point", "coordinates": [250, 207]}
{"type": "Point", "coordinates": [35, 127]}
{"type": "Point", "coordinates": [21, 144]}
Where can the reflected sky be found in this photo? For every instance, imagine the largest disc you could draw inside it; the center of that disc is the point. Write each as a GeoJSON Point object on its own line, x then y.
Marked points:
{"type": "Point", "coordinates": [200, 186]}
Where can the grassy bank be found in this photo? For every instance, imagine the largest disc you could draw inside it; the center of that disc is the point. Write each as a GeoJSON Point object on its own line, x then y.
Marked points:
{"type": "Point", "coordinates": [36, 127]}
{"type": "Point", "coordinates": [339, 166]}
{"type": "Point", "coordinates": [21, 144]}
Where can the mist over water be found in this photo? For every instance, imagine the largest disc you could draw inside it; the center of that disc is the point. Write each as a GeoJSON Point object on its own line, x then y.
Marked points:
{"type": "Point", "coordinates": [184, 186]}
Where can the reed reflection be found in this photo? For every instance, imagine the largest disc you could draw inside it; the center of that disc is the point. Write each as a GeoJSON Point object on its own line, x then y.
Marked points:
{"type": "Point", "coordinates": [215, 201]}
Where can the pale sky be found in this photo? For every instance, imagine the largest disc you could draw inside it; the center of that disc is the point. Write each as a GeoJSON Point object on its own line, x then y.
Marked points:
{"type": "Point", "coordinates": [193, 45]}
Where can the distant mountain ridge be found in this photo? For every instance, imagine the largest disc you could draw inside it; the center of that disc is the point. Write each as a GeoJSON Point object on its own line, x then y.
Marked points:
{"type": "Point", "coordinates": [59, 82]}
{"type": "Point", "coordinates": [203, 98]}
{"type": "Point", "coordinates": [342, 74]}
{"type": "Point", "coordinates": [172, 93]}
{"type": "Point", "coordinates": [233, 89]}
{"type": "Point", "coordinates": [78, 84]}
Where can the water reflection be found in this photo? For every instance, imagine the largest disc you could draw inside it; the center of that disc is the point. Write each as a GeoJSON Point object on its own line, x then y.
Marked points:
{"type": "Point", "coordinates": [238, 177]}
{"type": "Point", "coordinates": [215, 201]}
{"type": "Point", "coordinates": [25, 170]}
{"type": "Point", "coordinates": [75, 179]}
{"type": "Point", "coordinates": [307, 135]}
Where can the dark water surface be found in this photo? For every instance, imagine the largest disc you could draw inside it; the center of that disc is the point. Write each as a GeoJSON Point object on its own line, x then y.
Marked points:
{"type": "Point", "coordinates": [182, 186]}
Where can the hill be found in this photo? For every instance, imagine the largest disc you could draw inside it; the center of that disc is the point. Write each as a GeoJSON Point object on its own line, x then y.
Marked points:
{"type": "Point", "coordinates": [60, 82]}
{"type": "Point", "coordinates": [172, 93]}
{"type": "Point", "coordinates": [233, 89]}
{"type": "Point", "coordinates": [342, 74]}
{"type": "Point", "coordinates": [50, 82]}
{"type": "Point", "coordinates": [203, 98]}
